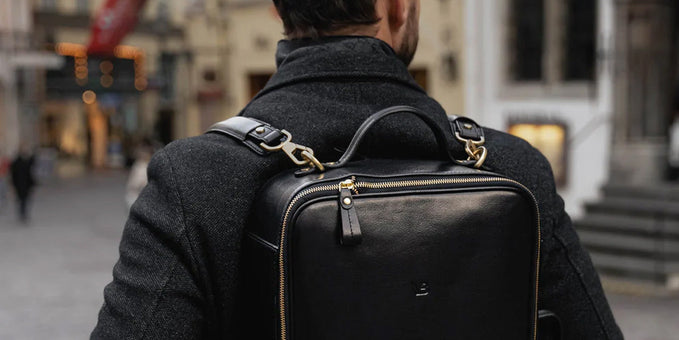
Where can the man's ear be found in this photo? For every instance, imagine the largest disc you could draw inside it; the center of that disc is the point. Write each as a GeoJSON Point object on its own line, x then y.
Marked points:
{"type": "Point", "coordinates": [397, 12]}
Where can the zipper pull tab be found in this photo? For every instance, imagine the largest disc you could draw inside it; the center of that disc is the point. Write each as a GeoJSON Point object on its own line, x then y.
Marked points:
{"type": "Point", "coordinates": [351, 229]}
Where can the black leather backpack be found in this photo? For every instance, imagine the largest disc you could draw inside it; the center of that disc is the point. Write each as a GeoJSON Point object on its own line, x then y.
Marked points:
{"type": "Point", "coordinates": [389, 249]}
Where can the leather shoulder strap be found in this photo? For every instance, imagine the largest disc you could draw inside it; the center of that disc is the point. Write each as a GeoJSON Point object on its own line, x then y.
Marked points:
{"type": "Point", "coordinates": [249, 131]}
{"type": "Point", "coordinates": [263, 138]}
{"type": "Point", "coordinates": [466, 128]}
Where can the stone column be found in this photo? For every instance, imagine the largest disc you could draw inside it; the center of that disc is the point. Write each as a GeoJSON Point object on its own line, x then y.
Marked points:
{"type": "Point", "coordinates": [9, 109]}
{"type": "Point", "coordinates": [644, 90]}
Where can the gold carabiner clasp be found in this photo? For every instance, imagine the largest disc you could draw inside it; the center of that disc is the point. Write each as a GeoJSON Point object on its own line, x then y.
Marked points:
{"type": "Point", "coordinates": [474, 149]}
{"type": "Point", "coordinates": [291, 149]}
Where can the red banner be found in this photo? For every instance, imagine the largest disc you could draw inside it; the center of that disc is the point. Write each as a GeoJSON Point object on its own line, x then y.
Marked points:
{"type": "Point", "coordinates": [112, 23]}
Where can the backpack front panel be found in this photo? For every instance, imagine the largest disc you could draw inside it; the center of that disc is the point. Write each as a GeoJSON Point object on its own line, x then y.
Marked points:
{"type": "Point", "coordinates": [432, 264]}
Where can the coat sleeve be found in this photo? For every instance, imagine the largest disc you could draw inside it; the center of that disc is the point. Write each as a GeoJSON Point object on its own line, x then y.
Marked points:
{"type": "Point", "coordinates": [570, 286]}
{"type": "Point", "coordinates": [155, 292]}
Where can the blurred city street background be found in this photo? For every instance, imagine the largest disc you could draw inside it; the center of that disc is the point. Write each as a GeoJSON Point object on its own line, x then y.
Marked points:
{"type": "Point", "coordinates": [90, 88]}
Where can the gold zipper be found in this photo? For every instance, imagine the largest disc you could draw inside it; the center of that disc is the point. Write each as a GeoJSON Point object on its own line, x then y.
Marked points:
{"type": "Point", "coordinates": [351, 184]}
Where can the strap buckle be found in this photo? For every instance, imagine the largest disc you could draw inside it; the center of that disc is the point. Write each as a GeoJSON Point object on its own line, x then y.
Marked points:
{"type": "Point", "coordinates": [306, 154]}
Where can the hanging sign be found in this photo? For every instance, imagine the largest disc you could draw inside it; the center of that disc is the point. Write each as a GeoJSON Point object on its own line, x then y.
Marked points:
{"type": "Point", "coordinates": [112, 23]}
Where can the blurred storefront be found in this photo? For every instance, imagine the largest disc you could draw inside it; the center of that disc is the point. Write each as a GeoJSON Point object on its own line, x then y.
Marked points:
{"type": "Point", "coordinates": [94, 107]}
{"type": "Point", "coordinates": [184, 66]}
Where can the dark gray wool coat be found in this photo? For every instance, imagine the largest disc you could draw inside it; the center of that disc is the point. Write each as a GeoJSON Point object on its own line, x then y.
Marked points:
{"type": "Point", "coordinates": [178, 273]}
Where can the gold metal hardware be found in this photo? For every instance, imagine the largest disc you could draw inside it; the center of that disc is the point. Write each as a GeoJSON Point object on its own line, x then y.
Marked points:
{"type": "Point", "coordinates": [347, 200]}
{"type": "Point", "coordinates": [260, 130]}
{"type": "Point", "coordinates": [474, 149]}
{"type": "Point", "coordinates": [309, 156]}
{"type": "Point", "coordinates": [353, 185]}
{"type": "Point", "coordinates": [347, 184]}
{"type": "Point", "coordinates": [291, 149]}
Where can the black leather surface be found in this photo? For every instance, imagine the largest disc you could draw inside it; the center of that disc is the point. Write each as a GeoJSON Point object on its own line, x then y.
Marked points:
{"type": "Point", "coordinates": [237, 127]}
{"type": "Point", "coordinates": [351, 234]}
{"type": "Point", "coordinates": [466, 128]}
{"type": "Point", "coordinates": [260, 277]}
{"type": "Point", "coordinates": [549, 326]}
{"type": "Point", "coordinates": [432, 261]}
{"type": "Point", "coordinates": [244, 130]}
{"type": "Point", "coordinates": [274, 197]}
{"type": "Point", "coordinates": [472, 254]}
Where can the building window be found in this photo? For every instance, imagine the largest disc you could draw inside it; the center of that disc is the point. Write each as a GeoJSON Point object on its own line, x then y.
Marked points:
{"type": "Point", "coordinates": [258, 82]}
{"type": "Point", "coordinates": [552, 41]}
{"type": "Point", "coordinates": [421, 77]}
{"type": "Point", "coordinates": [527, 40]}
{"type": "Point", "coordinates": [580, 49]}
{"type": "Point", "coordinates": [551, 139]}
{"type": "Point", "coordinates": [48, 4]}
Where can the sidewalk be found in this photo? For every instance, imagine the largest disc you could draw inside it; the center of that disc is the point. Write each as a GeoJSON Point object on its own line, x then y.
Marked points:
{"type": "Point", "coordinates": [647, 318]}
{"type": "Point", "coordinates": [54, 270]}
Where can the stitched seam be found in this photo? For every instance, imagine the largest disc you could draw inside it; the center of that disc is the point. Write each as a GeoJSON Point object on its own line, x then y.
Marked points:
{"type": "Point", "coordinates": [325, 77]}
{"type": "Point", "coordinates": [582, 283]}
{"type": "Point", "coordinates": [182, 209]}
{"type": "Point", "coordinates": [156, 301]}
{"type": "Point", "coordinates": [351, 226]}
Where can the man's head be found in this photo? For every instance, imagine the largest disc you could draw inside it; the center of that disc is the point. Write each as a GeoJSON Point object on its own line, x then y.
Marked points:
{"type": "Point", "coordinates": [24, 150]}
{"type": "Point", "coordinates": [394, 21]}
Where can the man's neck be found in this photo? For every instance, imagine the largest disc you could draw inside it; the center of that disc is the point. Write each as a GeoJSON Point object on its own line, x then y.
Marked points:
{"type": "Point", "coordinates": [373, 31]}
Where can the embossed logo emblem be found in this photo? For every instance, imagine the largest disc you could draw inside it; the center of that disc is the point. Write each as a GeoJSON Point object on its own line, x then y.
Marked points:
{"type": "Point", "coordinates": [421, 289]}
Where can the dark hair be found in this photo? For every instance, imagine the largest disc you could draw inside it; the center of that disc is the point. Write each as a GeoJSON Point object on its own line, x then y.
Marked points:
{"type": "Point", "coordinates": [313, 18]}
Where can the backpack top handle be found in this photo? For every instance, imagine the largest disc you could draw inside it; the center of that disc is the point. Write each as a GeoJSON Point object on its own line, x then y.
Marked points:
{"type": "Point", "coordinates": [466, 131]}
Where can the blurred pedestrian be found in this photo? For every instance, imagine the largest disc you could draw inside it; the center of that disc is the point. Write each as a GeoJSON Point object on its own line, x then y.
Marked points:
{"type": "Point", "coordinates": [22, 179]}
{"type": "Point", "coordinates": [4, 172]}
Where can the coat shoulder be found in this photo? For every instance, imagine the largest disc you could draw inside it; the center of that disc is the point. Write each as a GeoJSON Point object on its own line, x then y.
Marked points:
{"type": "Point", "coordinates": [514, 154]}
{"type": "Point", "coordinates": [205, 153]}
{"type": "Point", "coordinates": [515, 158]}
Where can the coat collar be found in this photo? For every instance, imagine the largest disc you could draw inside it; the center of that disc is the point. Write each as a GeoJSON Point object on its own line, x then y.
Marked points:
{"type": "Point", "coordinates": [355, 57]}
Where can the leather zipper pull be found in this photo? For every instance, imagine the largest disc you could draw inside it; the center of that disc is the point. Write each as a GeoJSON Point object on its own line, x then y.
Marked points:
{"type": "Point", "coordinates": [351, 228]}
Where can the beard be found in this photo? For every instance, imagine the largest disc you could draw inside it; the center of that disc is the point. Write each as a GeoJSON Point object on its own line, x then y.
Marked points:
{"type": "Point", "coordinates": [406, 51]}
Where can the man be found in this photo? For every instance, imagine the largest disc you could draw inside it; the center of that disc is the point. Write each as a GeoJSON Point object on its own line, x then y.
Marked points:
{"type": "Point", "coordinates": [178, 274]}
{"type": "Point", "coordinates": [21, 170]}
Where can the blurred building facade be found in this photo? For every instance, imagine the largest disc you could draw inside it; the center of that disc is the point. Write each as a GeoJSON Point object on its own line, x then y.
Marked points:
{"type": "Point", "coordinates": [593, 85]}
{"type": "Point", "coordinates": [541, 69]}
{"type": "Point", "coordinates": [632, 231]}
{"type": "Point", "coordinates": [185, 66]}
{"type": "Point", "coordinates": [255, 29]}
{"type": "Point", "coordinates": [19, 60]}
